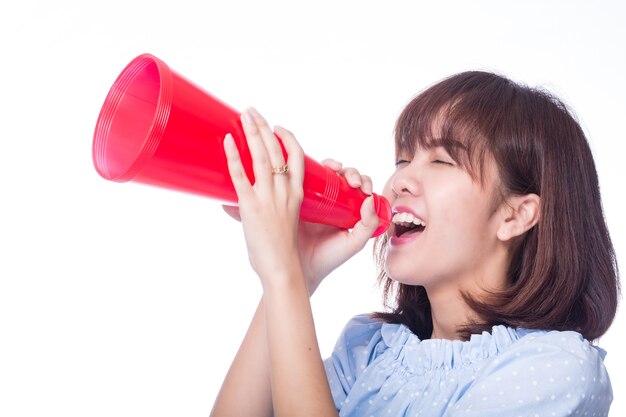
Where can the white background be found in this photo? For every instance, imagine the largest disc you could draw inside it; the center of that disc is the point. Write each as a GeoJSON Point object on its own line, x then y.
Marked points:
{"type": "Point", "coordinates": [126, 300]}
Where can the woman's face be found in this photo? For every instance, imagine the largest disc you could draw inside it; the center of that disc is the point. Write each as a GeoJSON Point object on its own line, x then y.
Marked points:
{"type": "Point", "coordinates": [455, 242]}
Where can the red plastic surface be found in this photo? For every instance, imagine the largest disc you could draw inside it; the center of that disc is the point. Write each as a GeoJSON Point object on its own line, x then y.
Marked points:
{"type": "Point", "coordinates": [157, 128]}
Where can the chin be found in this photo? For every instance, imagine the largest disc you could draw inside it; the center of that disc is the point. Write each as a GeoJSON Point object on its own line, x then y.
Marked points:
{"type": "Point", "coordinates": [408, 274]}
{"type": "Point", "coordinates": [402, 275]}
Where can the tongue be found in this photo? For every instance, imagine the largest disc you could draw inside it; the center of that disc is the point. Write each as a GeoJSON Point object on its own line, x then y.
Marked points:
{"type": "Point", "coordinates": [412, 230]}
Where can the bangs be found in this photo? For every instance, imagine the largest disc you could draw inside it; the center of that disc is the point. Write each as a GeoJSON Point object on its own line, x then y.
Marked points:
{"type": "Point", "coordinates": [457, 115]}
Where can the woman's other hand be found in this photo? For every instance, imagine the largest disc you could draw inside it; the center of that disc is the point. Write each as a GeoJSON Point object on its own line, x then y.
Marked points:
{"type": "Point", "coordinates": [324, 248]}
{"type": "Point", "coordinates": [321, 248]}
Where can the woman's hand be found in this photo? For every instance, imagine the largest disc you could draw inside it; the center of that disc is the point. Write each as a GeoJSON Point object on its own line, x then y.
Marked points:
{"type": "Point", "coordinates": [321, 248]}
{"type": "Point", "coordinates": [324, 248]}
{"type": "Point", "coordinates": [270, 208]}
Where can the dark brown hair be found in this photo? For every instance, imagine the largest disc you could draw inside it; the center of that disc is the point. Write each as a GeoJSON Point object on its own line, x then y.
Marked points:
{"type": "Point", "coordinates": [564, 273]}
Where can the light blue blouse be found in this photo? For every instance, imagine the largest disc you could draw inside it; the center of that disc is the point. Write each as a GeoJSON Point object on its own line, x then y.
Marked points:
{"type": "Point", "coordinates": [380, 369]}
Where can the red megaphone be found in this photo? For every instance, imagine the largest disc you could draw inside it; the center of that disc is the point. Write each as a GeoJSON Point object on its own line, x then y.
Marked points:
{"type": "Point", "coordinates": [157, 128]}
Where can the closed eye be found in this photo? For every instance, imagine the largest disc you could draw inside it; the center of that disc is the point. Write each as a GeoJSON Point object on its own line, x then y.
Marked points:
{"type": "Point", "coordinates": [402, 162]}
{"type": "Point", "coordinates": [439, 161]}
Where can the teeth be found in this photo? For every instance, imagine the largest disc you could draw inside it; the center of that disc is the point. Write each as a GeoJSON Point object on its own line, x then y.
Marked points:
{"type": "Point", "coordinates": [405, 219]}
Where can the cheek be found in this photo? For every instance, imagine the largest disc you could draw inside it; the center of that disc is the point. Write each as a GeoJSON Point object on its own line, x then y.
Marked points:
{"type": "Point", "coordinates": [469, 224]}
{"type": "Point", "coordinates": [461, 215]}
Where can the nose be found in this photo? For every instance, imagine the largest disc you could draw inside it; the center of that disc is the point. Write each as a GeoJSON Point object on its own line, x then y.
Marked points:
{"type": "Point", "coordinates": [402, 183]}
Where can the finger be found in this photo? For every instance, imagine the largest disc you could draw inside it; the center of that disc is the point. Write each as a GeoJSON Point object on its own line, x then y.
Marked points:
{"type": "Point", "coordinates": [232, 211]}
{"type": "Point", "coordinates": [353, 177]}
{"type": "Point", "coordinates": [364, 228]}
{"type": "Point", "coordinates": [295, 155]}
{"type": "Point", "coordinates": [332, 164]}
{"type": "Point", "coordinates": [272, 146]}
{"type": "Point", "coordinates": [235, 168]}
{"type": "Point", "coordinates": [261, 165]}
{"type": "Point", "coordinates": [367, 187]}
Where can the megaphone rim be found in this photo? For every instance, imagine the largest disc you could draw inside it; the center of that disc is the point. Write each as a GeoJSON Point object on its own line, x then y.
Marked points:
{"type": "Point", "coordinates": [110, 107]}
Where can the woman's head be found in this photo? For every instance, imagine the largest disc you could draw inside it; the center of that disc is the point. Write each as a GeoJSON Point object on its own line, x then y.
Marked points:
{"type": "Point", "coordinates": [515, 141]}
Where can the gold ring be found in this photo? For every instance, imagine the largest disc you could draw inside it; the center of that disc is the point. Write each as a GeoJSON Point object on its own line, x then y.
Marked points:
{"type": "Point", "coordinates": [280, 170]}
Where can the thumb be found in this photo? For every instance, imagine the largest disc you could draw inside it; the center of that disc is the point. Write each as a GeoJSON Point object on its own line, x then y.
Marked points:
{"type": "Point", "coordinates": [232, 211]}
{"type": "Point", "coordinates": [365, 228]}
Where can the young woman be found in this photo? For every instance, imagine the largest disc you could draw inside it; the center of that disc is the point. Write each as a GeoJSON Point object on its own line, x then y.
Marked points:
{"type": "Point", "coordinates": [498, 268]}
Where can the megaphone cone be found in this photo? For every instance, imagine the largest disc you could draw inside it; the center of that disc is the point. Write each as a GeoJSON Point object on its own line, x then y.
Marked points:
{"type": "Point", "coordinates": [157, 128]}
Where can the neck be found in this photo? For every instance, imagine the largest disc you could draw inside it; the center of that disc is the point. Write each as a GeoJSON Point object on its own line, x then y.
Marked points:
{"type": "Point", "coordinates": [448, 307]}
{"type": "Point", "coordinates": [449, 311]}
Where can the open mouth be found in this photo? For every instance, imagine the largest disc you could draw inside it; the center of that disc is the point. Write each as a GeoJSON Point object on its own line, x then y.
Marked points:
{"type": "Point", "coordinates": [406, 223]}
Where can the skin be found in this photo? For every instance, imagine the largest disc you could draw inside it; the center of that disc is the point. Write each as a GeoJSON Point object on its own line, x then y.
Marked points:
{"type": "Point", "coordinates": [278, 369]}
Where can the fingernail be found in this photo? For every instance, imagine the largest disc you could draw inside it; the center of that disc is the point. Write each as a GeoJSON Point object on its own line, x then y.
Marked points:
{"type": "Point", "coordinates": [229, 142]}
{"type": "Point", "coordinates": [247, 118]}
{"type": "Point", "coordinates": [253, 112]}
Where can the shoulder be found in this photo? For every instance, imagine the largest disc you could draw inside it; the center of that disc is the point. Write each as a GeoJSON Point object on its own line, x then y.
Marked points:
{"type": "Point", "coordinates": [565, 351]}
{"type": "Point", "coordinates": [359, 344]}
{"type": "Point", "coordinates": [558, 370]}
{"type": "Point", "coordinates": [360, 329]}
{"type": "Point", "coordinates": [360, 337]}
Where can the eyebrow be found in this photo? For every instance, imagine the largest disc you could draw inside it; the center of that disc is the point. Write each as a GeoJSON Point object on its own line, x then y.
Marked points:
{"type": "Point", "coordinates": [447, 143]}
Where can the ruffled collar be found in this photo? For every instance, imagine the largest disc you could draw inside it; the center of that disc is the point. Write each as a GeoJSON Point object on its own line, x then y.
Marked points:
{"type": "Point", "coordinates": [425, 355]}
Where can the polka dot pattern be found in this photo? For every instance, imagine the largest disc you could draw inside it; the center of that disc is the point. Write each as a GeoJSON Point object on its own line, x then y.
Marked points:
{"type": "Point", "coordinates": [383, 369]}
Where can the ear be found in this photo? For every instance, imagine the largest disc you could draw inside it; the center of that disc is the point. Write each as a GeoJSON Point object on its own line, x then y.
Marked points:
{"type": "Point", "coordinates": [520, 214]}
